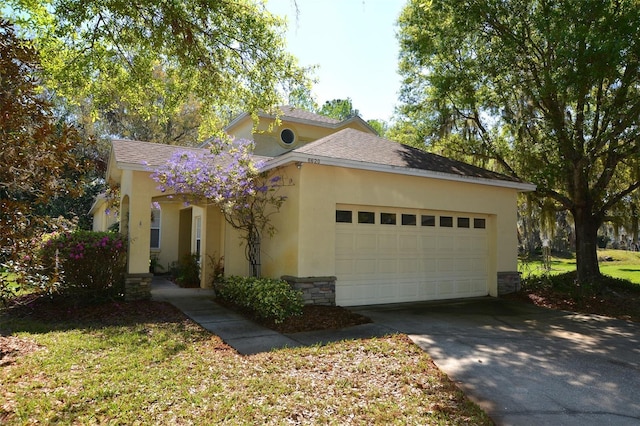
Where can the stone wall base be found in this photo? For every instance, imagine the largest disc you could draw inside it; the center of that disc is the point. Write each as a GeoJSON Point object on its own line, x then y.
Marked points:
{"type": "Point", "coordinates": [315, 290]}
{"type": "Point", "coordinates": [508, 282]}
{"type": "Point", "coordinates": [137, 287]}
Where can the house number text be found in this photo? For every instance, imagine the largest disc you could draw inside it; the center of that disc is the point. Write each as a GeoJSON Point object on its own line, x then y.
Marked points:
{"type": "Point", "coordinates": [313, 161]}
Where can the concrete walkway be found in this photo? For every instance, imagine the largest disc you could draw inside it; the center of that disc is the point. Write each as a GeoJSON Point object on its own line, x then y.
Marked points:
{"type": "Point", "coordinates": [242, 334]}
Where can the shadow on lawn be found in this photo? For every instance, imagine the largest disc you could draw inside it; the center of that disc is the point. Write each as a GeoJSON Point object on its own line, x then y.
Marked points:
{"type": "Point", "coordinates": [42, 315]}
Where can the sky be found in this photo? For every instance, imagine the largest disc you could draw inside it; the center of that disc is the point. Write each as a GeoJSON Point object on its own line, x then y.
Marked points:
{"type": "Point", "coordinates": [354, 46]}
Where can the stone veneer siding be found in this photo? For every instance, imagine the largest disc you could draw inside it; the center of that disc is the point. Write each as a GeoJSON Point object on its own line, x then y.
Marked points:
{"type": "Point", "coordinates": [315, 290]}
{"type": "Point", "coordinates": [137, 287]}
{"type": "Point", "coordinates": [508, 282]}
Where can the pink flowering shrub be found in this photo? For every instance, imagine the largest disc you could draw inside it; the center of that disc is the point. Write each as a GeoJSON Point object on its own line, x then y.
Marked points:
{"type": "Point", "coordinates": [89, 265]}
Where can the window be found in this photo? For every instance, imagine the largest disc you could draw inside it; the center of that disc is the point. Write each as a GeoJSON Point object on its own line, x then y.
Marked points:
{"type": "Point", "coordinates": [428, 220]}
{"type": "Point", "coordinates": [198, 238]}
{"type": "Point", "coordinates": [446, 221]}
{"type": "Point", "coordinates": [287, 136]}
{"type": "Point", "coordinates": [155, 229]}
{"type": "Point", "coordinates": [366, 217]}
{"type": "Point", "coordinates": [344, 216]}
{"type": "Point", "coordinates": [388, 218]}
{"type": "Point", "coordinates": [463, 222]}
{"type": "Point", "coordinates": [479, 223]}
{"type": "Point", "coordinates": [409, 219]}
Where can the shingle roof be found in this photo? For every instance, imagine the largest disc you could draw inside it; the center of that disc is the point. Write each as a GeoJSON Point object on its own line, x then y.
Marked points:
{"type": "Point", "coordinates": [146, 153]}
{"type": "Point", "coordinates": [149, 155]}
{"type": "Point", "coordinates": [347, 144]}
{"type": "Point", "coordinates": [292, 112]}
{"type": "Point", "coordinates": [354, 145]}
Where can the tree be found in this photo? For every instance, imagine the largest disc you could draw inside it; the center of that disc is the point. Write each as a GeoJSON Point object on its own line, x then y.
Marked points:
{"type": "Point", "coordinates": [380, 126]}
{"type": "Point", "coordinates": [38, 161]}
{"type": "Point", "coordinates": [547, 91]}
{"type": "Point", "coordinates": [156, 60]}
{"type": "Point", "coordinates": [340, 109]}
{"type": "Point", "coordinates": [228, 177]}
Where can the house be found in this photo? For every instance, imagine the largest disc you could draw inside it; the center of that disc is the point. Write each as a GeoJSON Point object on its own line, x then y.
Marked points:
{"type": "Point", "coordinates": [366, 221]}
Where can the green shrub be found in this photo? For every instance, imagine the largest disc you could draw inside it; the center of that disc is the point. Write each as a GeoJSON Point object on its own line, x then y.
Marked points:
{"type": "Point", "coordinates": [568, 284]}
{"type": "Point", "coordinates": [267, 298]}
{"type": "Point", "coordinates": [187, 271]}
{"type": "Point", "coordinates": [7, 284]}
{"type": "Point", "coordinates": [87, 265]}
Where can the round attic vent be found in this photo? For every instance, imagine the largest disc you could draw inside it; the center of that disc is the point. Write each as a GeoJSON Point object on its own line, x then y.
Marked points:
{"type": "Point", "coordinates": [287, 136]}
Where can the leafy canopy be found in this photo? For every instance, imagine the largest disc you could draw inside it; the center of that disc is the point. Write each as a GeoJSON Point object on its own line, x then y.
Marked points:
{"type": "Point", "coordinates": [548, 91]}
{"type": "Point", "coordinates": [156, 60]}
{"type": "Point", "coordinates": [38, 160]}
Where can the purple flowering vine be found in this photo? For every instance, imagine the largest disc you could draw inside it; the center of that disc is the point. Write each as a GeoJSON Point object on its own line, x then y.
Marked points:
{"type": "Point", "coordinates": [230, 177]}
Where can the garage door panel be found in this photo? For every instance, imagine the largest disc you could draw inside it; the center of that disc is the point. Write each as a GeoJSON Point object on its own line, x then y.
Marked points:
{"type": "Point", "coordinates": [479, 265]}
{"type": "Point", "coordinates": [462, 244]}
{"type": "Point", "coordinates": [388, 266]}
{"type": "Point", "coordinates": [445, 288]}
{"type": "Point", "coordinates": [429, 266]}
{"type": "Point", "coordinates": [378, 263]}
{"type": "Point", "coordinates": [345, 268]}
{"type": "Point", "coordinates": [388, 243]}
{"type": "Point", "coordinates": [427, 290]}
{"type": "Point", "coordinates": [463, 287]}
{"type": "Point", "coordinates": [446, 265]}
{"type": "Point", "coordinates": [478, 244]}
{"type": "Point", "coordinates": [445, 243]}
{"type": "Point", "coordinates": [344, 242]}
{"type": "Point", "coordinates": [428, 243]}
{"type": "Point", "coordinates": [408, 243]}
{"type": "Point", "coordinates": [408, 266]}
{"type": "Point", "coordinates": [366, 242]}
{"type": "Point", "coordinates": [365, 267]}
{"type": "Point", "coordinates": [463, 265]}
{"type": "Point", "coordinates": [479, 287]}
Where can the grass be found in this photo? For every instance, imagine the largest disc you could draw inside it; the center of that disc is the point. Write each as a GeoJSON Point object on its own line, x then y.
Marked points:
{"type": "Point", "coordinates": [623, 264]}
{"type": "Point", "coordinates": [146, 363]}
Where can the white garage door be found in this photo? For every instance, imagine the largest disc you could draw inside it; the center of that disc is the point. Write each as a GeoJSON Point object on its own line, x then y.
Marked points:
{"type": "Point", "coordinates": [386, 255]}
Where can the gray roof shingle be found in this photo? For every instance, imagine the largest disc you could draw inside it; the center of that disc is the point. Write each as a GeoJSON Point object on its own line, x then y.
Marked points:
{"type": "Point", "coordinates": [150, 155]}
{"type": "Point", "coordinates": [354, 145]}
{"type": "Point", "coordinates": [301, 114]}
{"type": "Point", "coordinates": [347, 144]}
{"type": "Point", "coordinates": [146, 153]}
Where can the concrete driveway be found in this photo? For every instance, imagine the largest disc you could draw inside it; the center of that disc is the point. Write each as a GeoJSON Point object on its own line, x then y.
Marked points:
{"type": "Point", "coordinates": [526, 365]}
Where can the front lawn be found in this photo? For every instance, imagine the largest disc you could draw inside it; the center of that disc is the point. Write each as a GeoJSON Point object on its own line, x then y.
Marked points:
{"type": "Point", "coordinates": [145, 363]}
{"type": "Point", "coordinates": [614, 263]}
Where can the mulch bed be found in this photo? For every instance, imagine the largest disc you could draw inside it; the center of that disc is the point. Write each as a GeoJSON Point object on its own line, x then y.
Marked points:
{"type": "Point", "coordinates": [318, 318]}
{"type": "Point", "coordinates": [314, 317]}
{"type": "Point", "coordinates": [618, 304]}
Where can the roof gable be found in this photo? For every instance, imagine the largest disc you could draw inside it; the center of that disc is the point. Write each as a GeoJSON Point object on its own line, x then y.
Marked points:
{"type": "Point", "coordinates": [369, 150]}
{"type": "Point", "coordinates": [298, 115]}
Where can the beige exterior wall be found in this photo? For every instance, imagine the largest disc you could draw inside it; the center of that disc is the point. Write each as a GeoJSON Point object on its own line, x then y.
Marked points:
{"type": "Point", "coordinates": [267, 135]}
{"type": "Point", "coordinates": [235, 262]}
{"type": "Point", "coordinates": [307, 247]}
{"type": "Point", "coordinates": [140, 190]}
{"type": "Point", "coordinates": [101, 220]}
{"type": "Point", "coordinates": [169, 233]}
{"type": "Point", "coordinates": [281, 252]}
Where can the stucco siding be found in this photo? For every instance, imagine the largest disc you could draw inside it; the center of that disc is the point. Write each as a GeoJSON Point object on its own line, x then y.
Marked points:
{"type": "Point", "coordinates": [321, 188]}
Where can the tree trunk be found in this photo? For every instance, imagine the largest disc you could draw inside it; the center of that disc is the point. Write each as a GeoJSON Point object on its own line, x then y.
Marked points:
{"type": "Point", "coordinates": [586, 244]}
{"type": "Point", "coordinates": [253, 252]}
